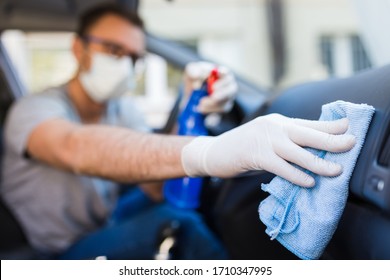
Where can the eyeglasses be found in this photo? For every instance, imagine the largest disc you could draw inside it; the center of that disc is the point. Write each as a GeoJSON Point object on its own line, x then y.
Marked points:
{"type": "Point", "coordinates": [113, 48]}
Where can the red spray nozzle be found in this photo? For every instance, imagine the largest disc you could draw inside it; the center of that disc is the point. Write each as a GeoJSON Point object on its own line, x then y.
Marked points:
{"type": "Point", "coordinates": [212, 78]}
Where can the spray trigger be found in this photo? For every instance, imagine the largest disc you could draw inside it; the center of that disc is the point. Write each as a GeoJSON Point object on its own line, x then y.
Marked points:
{"type": "Point", "coordinates": [211, 79]}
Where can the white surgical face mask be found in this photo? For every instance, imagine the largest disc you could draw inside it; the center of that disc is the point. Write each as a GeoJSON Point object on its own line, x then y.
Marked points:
{"type": "Point", "coordinates": [108, 77]}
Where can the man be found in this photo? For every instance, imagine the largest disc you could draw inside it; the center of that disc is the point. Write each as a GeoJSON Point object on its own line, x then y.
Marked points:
{"type": "Point", "coordinates": [64, 148]}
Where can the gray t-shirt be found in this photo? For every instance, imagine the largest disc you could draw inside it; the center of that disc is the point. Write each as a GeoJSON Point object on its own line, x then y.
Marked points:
{"type": "Point", "coordinates": [56, 207]}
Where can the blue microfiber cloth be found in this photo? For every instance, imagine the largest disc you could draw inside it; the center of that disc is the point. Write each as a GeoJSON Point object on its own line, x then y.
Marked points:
{"type": "Point", "coordinates": [304, 219]}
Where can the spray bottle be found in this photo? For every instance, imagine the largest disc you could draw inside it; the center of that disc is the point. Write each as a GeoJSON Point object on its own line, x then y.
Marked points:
{"type": "Point", "coordinates": [185, 192]}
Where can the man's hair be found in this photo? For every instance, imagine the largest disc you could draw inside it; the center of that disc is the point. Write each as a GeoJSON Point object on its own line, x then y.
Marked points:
{"type": "Point", "coordinates": [92, 16]}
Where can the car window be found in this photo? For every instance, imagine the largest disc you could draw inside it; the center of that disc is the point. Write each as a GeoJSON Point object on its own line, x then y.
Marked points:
{"type": "Point", "coordinates": [271, 43]}
{"type": "Point", "coordinates": [41, 59]}
{"type": "Point", "coordinates": [45, 59]}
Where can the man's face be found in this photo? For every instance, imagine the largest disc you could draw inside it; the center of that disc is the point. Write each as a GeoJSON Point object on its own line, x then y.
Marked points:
{"type": "Point", "coordinates": [112, 35]}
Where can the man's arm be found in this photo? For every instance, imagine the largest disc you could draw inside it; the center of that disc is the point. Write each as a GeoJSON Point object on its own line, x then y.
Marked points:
{"type": "Point", "coordinates": [268, 143]}
{"type": "Point", "coordinates": [113, 153]}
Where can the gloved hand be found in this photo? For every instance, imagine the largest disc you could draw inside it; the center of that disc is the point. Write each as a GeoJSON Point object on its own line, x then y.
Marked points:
{"type": "Point", "coordinates": [269, 143]}
{"type": "Point", "coordinates": [224, 89]}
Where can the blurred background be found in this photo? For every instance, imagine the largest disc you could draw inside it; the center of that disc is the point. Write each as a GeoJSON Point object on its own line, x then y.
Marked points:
{"type": "Point", "coordinates": [273, 44]}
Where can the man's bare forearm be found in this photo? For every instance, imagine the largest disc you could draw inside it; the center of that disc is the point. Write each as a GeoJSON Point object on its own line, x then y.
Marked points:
{"type": "Point", "coordinates": [115, 153]}
{"type": "Point", "coordinates": [125, 155]}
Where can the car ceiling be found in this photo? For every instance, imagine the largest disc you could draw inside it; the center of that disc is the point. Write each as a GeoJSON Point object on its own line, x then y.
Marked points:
{"type": "Point", "coordinates": [48, 15]}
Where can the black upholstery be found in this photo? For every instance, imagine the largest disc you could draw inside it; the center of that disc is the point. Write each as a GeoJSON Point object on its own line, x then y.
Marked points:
{"type": "Point", "coordinates": [363, 233]}
{"type": "Point", "coordinates": [11, 235]}
{"type": "Point", "coordinates": [237, 220]}
{"type": "Point", "coordinates": [13, 243]}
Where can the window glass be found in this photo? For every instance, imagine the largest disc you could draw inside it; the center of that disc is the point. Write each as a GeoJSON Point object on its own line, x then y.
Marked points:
{"type": "Point", "coordinates": [343, 55]}
{"type": "Point", "coordinates": [44, 59]}
{"type": "Point", "coordinates": [41, 59]}
{"type": "Point", "coordinates": [273, 43]}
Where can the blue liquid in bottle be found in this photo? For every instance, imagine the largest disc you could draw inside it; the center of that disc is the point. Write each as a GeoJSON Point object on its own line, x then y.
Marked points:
{"type": "Point", "coordinates": [185, 192]}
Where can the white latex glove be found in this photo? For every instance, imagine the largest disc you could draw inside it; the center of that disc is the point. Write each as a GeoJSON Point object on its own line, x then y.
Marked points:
{"type": "Point", "coordinates": [269, 143]}
{"type": "Point", "coordinates": [224, 89]}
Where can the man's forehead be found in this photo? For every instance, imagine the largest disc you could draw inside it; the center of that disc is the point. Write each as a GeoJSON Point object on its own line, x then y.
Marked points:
{"type": "Point", "coordinates": [119, 30]}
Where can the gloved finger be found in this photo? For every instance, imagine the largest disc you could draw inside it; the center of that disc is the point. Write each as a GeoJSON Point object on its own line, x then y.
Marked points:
{"type": "Point", "coordinates": [281, 168]}
{"type": "Point", "coordinates": [199, 70]}
{"type": "Point", "coordinates": [223, 71]}
{"type": "Point", "coordinates": [226, 93]}
{"type": "Point", "coordinates": [296, 154]}
{"type": "Point", "coordinates": [333, 127]}
{"type": "Point", "coordinates": [224, 81]}
{"type": "Point", "coordinates": [215, 108]}
{"type": "Point", "coordinates": [208, 105]}
{"type": "Point", "coordinates": [225, 88]}
{"type": "Point", "coordinates": [308, 137]}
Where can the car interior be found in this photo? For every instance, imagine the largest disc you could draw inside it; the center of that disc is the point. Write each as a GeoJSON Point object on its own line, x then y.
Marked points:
{"type": "Point", "coordinates": [230, 206]}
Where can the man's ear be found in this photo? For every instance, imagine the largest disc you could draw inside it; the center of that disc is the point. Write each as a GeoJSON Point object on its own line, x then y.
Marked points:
{"type": "Point", "coordinates": [80, 53]}
{"type": "Point", "coordinates": [78, 48]}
